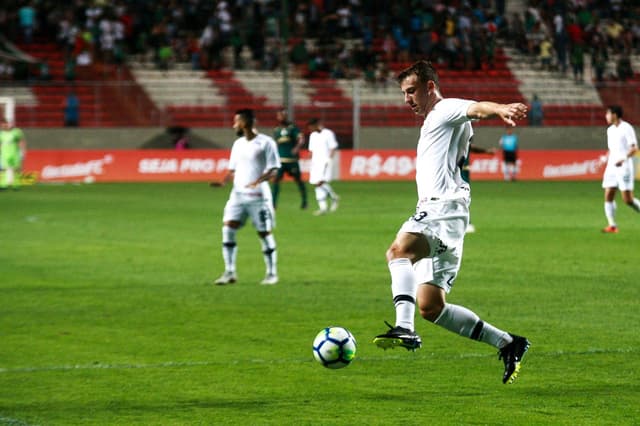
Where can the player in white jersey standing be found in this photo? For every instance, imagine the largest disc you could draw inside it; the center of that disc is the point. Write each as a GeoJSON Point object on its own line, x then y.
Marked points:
{"type": "Point", "coordinates": [323, 146]}
{"type": "Point", "coordinates": [254, 160]}
{"type": "Point", "coordinates": [424, 259]}
{"type": "Point", "coordinates": [619, 173]}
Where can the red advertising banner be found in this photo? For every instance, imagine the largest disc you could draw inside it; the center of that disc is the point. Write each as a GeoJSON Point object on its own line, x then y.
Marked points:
{"type": "Point", "coordinates": [532, 165]}
{"type": "Point", "coordinates": [206, 165]}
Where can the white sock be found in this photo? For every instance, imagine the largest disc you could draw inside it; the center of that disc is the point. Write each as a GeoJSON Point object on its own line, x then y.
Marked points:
{"type": "Point", "coordinates": [329, 190]}
{"type": "Point", "coordinates": [635, 205]}
{"type": "Point", "coordinates": [464, 322]}
{"type": "Point", "coordinates": [403, 289]}
{"type": "Point", "coordinates": [270, 254]}
{"type": "Point", "coordinates": [321, 198]}
{"type": "Point", "coordinates": [229, 248]}
{"type": "Point", "coordinates": [610, 212]}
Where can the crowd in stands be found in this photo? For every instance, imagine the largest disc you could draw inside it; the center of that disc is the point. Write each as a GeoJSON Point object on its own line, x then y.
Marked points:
{"type": "Point", "coordinates": [562, 35]}
{"type": "Point", "coordinates": [333, 38]}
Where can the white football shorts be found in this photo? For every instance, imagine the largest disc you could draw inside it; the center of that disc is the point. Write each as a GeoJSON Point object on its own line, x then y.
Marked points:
{"type": "Point", "coordinates": [239, 207]}
{"type": "Point", "coordinates": [443, 222]}
{"type": "Point", "coordinates": [619, 177]}
{"type": "Point", "coordinates": [320, 171]}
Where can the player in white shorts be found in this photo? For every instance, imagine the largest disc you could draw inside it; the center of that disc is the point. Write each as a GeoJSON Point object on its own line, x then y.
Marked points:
{"type": "Point", "coordinates": [323, 146]}
{"type": "Point", "coordinates": [619, 173]}
{"type": "Point", "coordinates": [424, 259]}
{"type": "Point", "coordinates": [254, 160]}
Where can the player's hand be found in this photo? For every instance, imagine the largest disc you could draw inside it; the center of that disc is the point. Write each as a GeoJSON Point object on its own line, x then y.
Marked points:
{"type": "Point", "coordinates": [619, 163]}
{"type": "Point", "coordinates": [511, 112]}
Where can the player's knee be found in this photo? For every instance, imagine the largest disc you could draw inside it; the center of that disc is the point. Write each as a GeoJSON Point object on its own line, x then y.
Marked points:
{"type": "Point", "coordinates": [431, 311]}
{"type": "Point", "coordinates": [395, 252]}
{"type": "Point", "coordinates": [263, 234]}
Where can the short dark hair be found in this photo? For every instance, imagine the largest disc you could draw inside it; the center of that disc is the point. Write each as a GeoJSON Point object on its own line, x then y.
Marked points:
{"type": "Point", "coordinates": [615, 109]}
{"type": "Point", "coordinates": [423, 69]}
{"type": "Point", "coordinates": [247, 115]}
{"type": "Point", "coordinates": [313, 121]}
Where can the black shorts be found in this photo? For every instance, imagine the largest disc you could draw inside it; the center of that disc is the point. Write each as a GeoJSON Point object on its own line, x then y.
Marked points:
{"type": "Point", "coordinates": [292, 169]}
{"type": "Point", "coordinates": [509, 156]}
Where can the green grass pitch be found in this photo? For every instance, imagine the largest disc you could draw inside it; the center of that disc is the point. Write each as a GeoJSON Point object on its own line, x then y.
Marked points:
{"type": "Point", "coordinates": [107, 315]}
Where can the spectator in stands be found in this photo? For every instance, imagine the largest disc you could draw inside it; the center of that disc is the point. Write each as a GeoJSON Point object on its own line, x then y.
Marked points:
{"type": "Point", "coordinates": [71, 109]}
{"type": "Point", "coordinates": [577, 62]}
{"type": "Point", "coordinates": [536, 113]}
{"type": "Point", "coordinates": [623, 67]}
{"type": "Point", "coordinates": [545, 54]}
{"type": "Point", "coordinates": [599, 58]}
{"type": "Point", "coordinates": [27, 16]}
{"type": "Point", "coordinates": [45, 74]}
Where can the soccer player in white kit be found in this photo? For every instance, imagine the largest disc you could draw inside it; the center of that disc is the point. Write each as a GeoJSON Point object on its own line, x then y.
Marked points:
{"type": "Point", "coordinates": [619, 173]}
{"type": "Point", "coordinates": [323, 146]}
{"type": "Point", "coordinates": [254, 160]}
{"type": "Point", "coordinates": [424, 259]}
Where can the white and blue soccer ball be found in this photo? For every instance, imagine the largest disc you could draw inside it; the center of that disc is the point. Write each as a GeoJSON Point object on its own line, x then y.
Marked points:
{"type": "Point", "coordinates": [334, 347]}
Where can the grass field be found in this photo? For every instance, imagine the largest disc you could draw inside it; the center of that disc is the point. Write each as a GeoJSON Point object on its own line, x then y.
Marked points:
{"type": "Point", "coordinates": [107, 315]}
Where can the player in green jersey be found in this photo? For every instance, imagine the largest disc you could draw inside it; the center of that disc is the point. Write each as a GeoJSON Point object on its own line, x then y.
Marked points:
{"type": "Point", "coordinates": [289, 139]}
{"type": "Point", "coordinates": [465, 170]}
{"type": "Point", "coordinates": [12, 150]}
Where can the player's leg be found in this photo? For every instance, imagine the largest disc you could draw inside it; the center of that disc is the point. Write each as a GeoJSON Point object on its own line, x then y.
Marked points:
{"type": "Point", "coordinates": [405, 249]}
{"type": "Point", "coordinates": [297, 177]}
{"type": "Point", "coordinates": [275, 187]}
{"type": "Point", "coordinates": [321, 199]}
{"type": "Point", "coordinates": [610, 209]}
{"type": "Point", "coordinates": [263, 221]}
{"type": "Point", "coordinates": [233, 219]}
{"type": "Point", "coordinates": [630, 200]}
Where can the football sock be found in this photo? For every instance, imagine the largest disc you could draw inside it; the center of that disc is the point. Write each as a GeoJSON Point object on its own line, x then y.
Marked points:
{"type": "Point", "coordinates": [270, 254]}
{"type": "Point", "coordinates": [275, 190]}
{"type": "Point", "coordinates": [303, 192]}
{"type": "Point", "coordinates": [464, 322]}
{"type": "Point", "coordinates": [635, 204]}
{"type": "Point", "coordinates": [321, 197]}
{"type": "Point", "coordinates": [610, 212]}
{"type": "Point", "coordinates": [229, 248]}
{"type": "Point", "coordinates": [403, 289]}
{"type": "Point", "coordinates": [329, 191]}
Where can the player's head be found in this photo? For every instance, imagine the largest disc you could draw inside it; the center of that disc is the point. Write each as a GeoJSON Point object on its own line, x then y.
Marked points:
{"type": "Point", "coordinates": [314, 124]}
{"type": "Point", "coordinates": [420, 86]}
{"type": "Point", "coordinates": [282, 116]}
{"type": "Point", "coordinates": [5, 124]}
{"type": "Point", "coordinates": [614, 114]}
{"type": "Point", "coordinates": [243, 120]}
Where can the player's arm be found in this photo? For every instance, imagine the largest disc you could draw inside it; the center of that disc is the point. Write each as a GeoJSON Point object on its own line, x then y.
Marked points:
{"type": "Point", "coordinates": [632, 151]}
{"type": "Point", "coordinates": [299, 143]}
{"type": "Point", "coordinates": [507, 112]}
{"type": "Point", "coordinates": [226, 179]}
{"type": "Point", "coordinates": [268, 175]}
{"type": "Point", "coordinates": [480, 150]}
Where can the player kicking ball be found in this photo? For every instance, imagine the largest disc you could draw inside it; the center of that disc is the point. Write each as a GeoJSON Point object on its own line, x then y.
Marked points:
{"type": "Point", "coordinates": [424, 259]}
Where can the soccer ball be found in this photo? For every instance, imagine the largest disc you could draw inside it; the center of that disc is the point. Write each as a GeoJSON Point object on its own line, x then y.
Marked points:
{"type": "Point", "coordinates": [334, 347]}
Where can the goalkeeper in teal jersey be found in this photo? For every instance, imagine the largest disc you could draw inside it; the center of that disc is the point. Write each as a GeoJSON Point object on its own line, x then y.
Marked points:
{"type": "Point", "coordinates": [289, 139]}
{"type": "Point", "coordinates": [12, 151]}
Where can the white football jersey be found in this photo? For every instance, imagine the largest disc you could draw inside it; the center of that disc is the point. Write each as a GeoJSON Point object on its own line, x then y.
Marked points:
{"type": "Point", "coordinates": [250, 159]}
{"type": "Point", "coordinates": [444, 142]}
{"type": "Point", "coordinates": [620, 138]}
{"type": "Point", "coordinates": [320, 144]}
